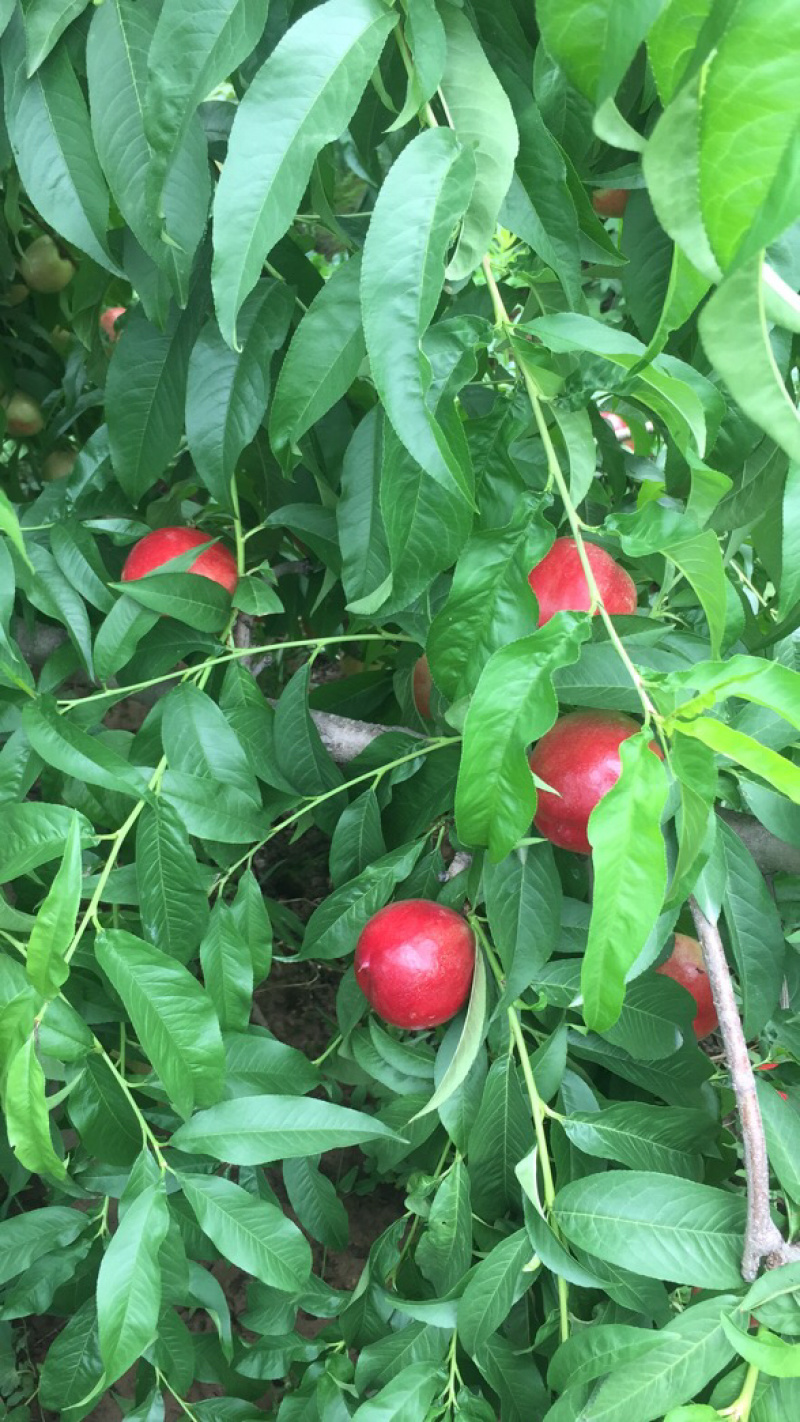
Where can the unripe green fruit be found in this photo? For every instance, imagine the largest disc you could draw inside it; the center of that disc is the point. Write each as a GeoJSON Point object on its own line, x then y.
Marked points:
{"type": "Point", "coordinates": [58, 464]}
{"type": "Point", "coordinates": [23, 415]}
{"type": "Point", "coordinates": [43, 268]}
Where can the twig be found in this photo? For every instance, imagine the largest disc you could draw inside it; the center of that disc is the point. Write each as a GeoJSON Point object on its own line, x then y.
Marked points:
{"type": "Point", "coordinates": [763, 1240]}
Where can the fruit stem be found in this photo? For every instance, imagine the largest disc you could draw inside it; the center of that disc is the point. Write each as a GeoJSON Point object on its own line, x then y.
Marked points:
{"type": "Point", "coordinates": [537, 1112]}
{"type": "Point", "coordinates": [504, 321]}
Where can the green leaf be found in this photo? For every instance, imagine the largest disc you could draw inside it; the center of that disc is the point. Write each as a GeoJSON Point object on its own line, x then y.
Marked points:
{"type": "Point", "coordinates": [695, 769]}
{"type": "Point", "coordinates": [595, 1351]}
{"type": "Point", "coordinates": [323, 358]}
{"type": "Point", "coordinates": [251, 1233]}
{"type": "Point", "coordinates": [657, 1225]}
{"type": "Point", "coordinates": [9, 524]}
{"type": "Point", "coordinates": [119, 636]}
{"type": "Point", "coordinates": [672, 41]}
{"type": "Point", "coordinates": [668, 1139]}
{"type": "Point", "coordinates": [748, 185]}
{"type": "Point", "coordinates": [490, 602]}
{"type": "Point", "coordinates": [768, 1353]}
{"type": "Point", "coordinates": [27, 1237]}
{"type": "Point", "coordinates": [595, 41]}
{"type": "Point", "coordinates": [630, 868]}
{"type": "Point", "coordinates": [55, 921]}
{"type": "Point", "coordinates": [767, 684]}
{"type": "Point", "coordinates": [173, 904]}
{"type": "Point", "coordinates": [302, 759]}
{"type": "Point", "coordinates": [191, 53]}
{"type": "Point", "coordinates": [256, 1062]}
{"type": "Point", "coordinates": [214, 811]}
{"type": "Point", "coordinates": [103, 1116]}
{"type": "Point", "coordinates": [357, 840]}
{"type": "Point", "coordinates": [469, 1043]}
{"type": "Point", "coordinates": [252, 920]}
{"type": "Point", "coordinates": [759, 759]}
{"type": "Point", "coordinates": [366, 569]}
{"type": "Point", "coordinates": [483, 120]}
{"type": "Point", "coordinates": [227, 969]}
{"type": "Point", "coordinates": [501, 1136]}
{"type": "Point", "coordinates": [145, 400]}
{"type": "Point", "coordinates": [228, 391]}
{"type": "Point", "coordinates": [782, 1129]}
{"type": "Point", "coordinates": [48, 127]}
{"type": "Point", "coordinates": [523, 905]}
{"type": "Point", "coordinates": [35, 833]}
{"type": "Point", "coordinates": [334, 926]}
{"type": "Point", "coordinates": [514, 703]}
{"type": "Point", "coordinates": [188, 597]}
{"type": "Point", "coordinates": [424, 34]}
{"type": "Point", "coordinates": [684, 1357]}
{"type": "Point", "coordinates": [755, 931]}
{"type": "Point", "coordinates": [735, 335]}
{"type": "Point", "coordinates": [444, 1253]}
{"type": "Point", "coordinates": [73, 1368]}
{"type": "Point", "coordinates": [304, 96]}
{"type": "Point", "coordinates": [72, 751]}
{"type": "Point", "coordinates": [45, 22]}
{"type": "Point", "coordinates": [405, 1399]}
{"type": "Point", "coordinates": [50, 592]}
{"type": "Point", "coordinates": [173, 1017]}
{"type": "Point", "coordinates": [257, 1129]}
{"type": "Point", "coordinates": [426, 191]}
{"type": "Point", "coordinates": [314, 1200]}
{"type": "Point", "coordinates": [27, 1119]}
{"type": "Point", "coordinates": [426, 525]}
{"type": "Point", "coordinates": [75, 552]}
{"type": "Point", "coordinates": [129, 1281]}
{"type": "Point", "coordinates": [117, 48]}
{"type": "Point", "coordinates": [488, 1297]}
{"type": "Point", "coordinates": [199, 741]}
{"type": "Point", "coordinates": [655, 1018]}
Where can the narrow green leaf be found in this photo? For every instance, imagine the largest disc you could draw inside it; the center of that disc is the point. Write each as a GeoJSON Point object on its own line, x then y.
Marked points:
{"type": "Point", "coordinates": [444, 1253]}
{"type": "Point", "coordinates": [173, 903]}
{"type": "Point", "coordinates": [630, 868]}
{"type": "Point", "coordinates": [488, 1297]}
{"type": "Point", "coordinates": [314, 1200]}
{"type": "Point", "coordinates": [657, 1225]}
{"type": "Point", "coordinates": [73, 1368]}
{"type": "Point", "coordinates": [735, 335]}
{"type": "Point", "coordinates": [501, 1136]}
{"type": "Point", "coordinates": [173, 1017]}
{"type": "Point", "coordinates": [668, 1139]}
{"type": "Point", "coordinates": [335, 925]}
{"type": "Point", "coordinates": [228, 391]}
{"type": "Point", "coordinates": [483, 120]}
{"type": "Point", "coordinates": [55, 921]}
{"type": "Point", "coordinates": [188, 597]}
{"type": "Point", "coordinates": [523, 904]}
{"type": "Point", "coordinates": [198, 741]}
{"type": "Point", "coordinates": [672, 40]}
{"type": "Point", "coordinates": [103, 1116]}
{"type": "Point", "coordinates": [27, 1119]}
{"type": "Point", "coordinates": [595, 40]}
{"type": "Point", "coordinates": [303, 97]}
{"type": "Point", "coordinates": [408, 1396]}
{"type": "Point", "coordinates": [767, 1352]}
{"type": "Point", "coordinates": [227, 969]}
{"type": "Point", "coordinates": [35, 833]}
{"type": "Point", "coordinates": [64, 745]}
{"type": "Point", "coordinates": [323, 359]}
{"type": "Point", "coordinates": [426, 526]}
{"type": "Point", "coordinates": [727, 741]}
{"type": "Point", "coordinates": [257, 1129]}
{"type": "Point", "coordinates": [27, 1237]}
{"type": "Point", "coordinates": [782, 1128]}
{"type": "Point", "coordinates": [129, 1282]}
{"type": "Point", "coordinates": [514, 703]}
{"type": "Point", "coordinates": [469, 1043]}
{"type": "Point", "coordinates": [251, 1233]}
{"type": "Point", "coordinates": [119, 635]}
{"type": "Point", "coordinates": [45, 22]}
{"type": "Point", "coordinates": [426, 191]}
{"type": "Point", "coordinates": [755, 931]}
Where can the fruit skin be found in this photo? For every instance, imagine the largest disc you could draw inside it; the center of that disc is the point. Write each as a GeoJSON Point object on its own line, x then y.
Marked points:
{"type": "Point", "coordinates": [610, 202]}
{"type": "Point", "coordinates": [559, 581]}
{"type": "Point", "coordinates": [43, 268]}
{"type": "Point", "coordinates": [108, 322]}
{"type": "Point", "coordinates": [58, 464]}
{"type": "Point", "coordinates": [23, 415]}
{"type": "Point", "coordinates": [685, 966]}
{"type": "Point", "coordinates": [217, 563]}
{"type": "Point", "coordinates": [414, 963]}
{"type": "Point", "coordinates": [421, 686]}
{"type": "Point", "coordinates": [579, 757]}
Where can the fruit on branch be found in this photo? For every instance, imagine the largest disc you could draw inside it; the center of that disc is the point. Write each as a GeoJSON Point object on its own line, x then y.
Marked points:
{"type": "Point", "coordinates": [771, 1066]}
{"type": "Point", "coordinates": [560, 585]}
{"type": "Point", "coordinates": [108, 322]}
{"type": "Point", "coordinates": [580, 759]}
{"type": "Point", "coordinates": [610, 202]}
{"type": "Point", "coordinates": [685, 966]}
{"type": "Point", "coordinates": [421, 685]}
{"type": "Point", "coordinates": [415, 962]}
{"type": "Point", "coordinates": [23, 415]}
{"type": "Point", "coordinates": [58, 464]}
{"type": "Point", "coordinates": [618, 425]}
{"type": "Point", "coordinates": [43, 268]}
{"type": "Point", "coordinates": [155, 549]}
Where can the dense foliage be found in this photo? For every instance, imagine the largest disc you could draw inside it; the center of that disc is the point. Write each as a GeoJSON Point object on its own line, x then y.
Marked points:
{"type": "Point", "coordinates": [327, 283]}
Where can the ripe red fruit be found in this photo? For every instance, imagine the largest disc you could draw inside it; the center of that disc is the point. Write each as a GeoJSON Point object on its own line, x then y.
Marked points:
{"type": "Point", "coordinates": [108, 322]}
{"type": "Point", "coordinates": [23, 415]}
{"type": "Point", "coordinates": [216, 563]}
{"type": "Point", "coordinates": [685, 966]}
{"type": "Point", "coordinates": [580, 759]}
{"type": "Point", "coordinates": [414, 963]}
{"type": "Point", "coordinates": [771, 1066]}
{"type": "Point", "coordinates": [421, 686]}
{"type": "Point", "coordinates": [559, 581]}
{"type": "Point", "coordinates": [610, 202]}
{"type": "Point", "coordinates": [43, 268]}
